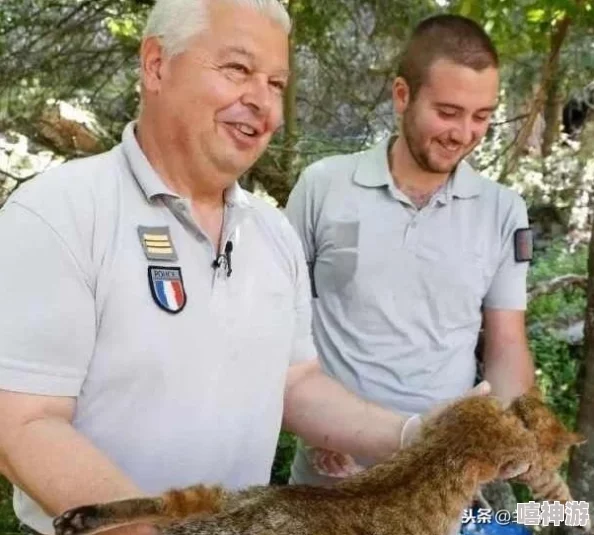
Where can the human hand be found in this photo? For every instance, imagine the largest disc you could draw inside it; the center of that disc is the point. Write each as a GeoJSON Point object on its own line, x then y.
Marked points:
{"type": "Point", "coordinates": [333, 464]}
{"type": "Point", "coordinates": [411, 429]}
{"type": "Point", "coordinates": [339, 465]}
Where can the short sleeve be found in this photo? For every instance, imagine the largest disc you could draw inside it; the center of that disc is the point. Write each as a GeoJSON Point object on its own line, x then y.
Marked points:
{"type": "Point", "coordinates": [47, 312]}
{"type": "Point", "coordinates": [299, 212]}
{"type": "Point", "coordinates": [508, 286]}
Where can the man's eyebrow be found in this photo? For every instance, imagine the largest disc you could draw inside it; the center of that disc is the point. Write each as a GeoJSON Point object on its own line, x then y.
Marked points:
{"type": "Point", "coordinates": [461, 108]}
{"type": "Point", "coordinates": [235, 49]}
{"type": "Point", "coordinates": [284, 73]}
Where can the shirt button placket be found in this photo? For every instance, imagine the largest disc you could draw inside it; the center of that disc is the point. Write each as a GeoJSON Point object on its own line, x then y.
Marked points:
{"type": "Point", "coordinates": [411, 236]}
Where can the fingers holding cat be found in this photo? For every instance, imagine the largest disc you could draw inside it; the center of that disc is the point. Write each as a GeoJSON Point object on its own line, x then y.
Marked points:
{"type": "Point", "coordinates": [334, 464]}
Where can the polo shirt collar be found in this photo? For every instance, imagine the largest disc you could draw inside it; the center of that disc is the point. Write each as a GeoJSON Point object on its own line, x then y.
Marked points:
{"type": "Point", "coordinates": [465, 183]}
{"type": "Point", "coordinates": [373, 171]}
{"type": "Point", "coordinates": [151, 183]}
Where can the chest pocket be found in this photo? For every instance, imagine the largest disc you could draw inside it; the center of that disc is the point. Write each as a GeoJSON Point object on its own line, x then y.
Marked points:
{"type": "Point", "coordinates": [337, 261]}
{"type": "Point", "coordinates": [453, 283]}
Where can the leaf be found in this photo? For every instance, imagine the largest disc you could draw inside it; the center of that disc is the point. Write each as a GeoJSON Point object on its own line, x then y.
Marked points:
{"type": "Point", "coordinates": [536, 15]}
{"type": "Point", "coordinates": [466, 8]}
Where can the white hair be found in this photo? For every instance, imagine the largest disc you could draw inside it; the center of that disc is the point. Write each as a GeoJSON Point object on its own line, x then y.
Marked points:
{"type": "Point", "coordinates": [175, 22]}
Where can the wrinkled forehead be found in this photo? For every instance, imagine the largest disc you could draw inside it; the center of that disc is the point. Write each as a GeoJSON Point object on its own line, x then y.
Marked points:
{"type": "Point", "coordinates": [243, 31]}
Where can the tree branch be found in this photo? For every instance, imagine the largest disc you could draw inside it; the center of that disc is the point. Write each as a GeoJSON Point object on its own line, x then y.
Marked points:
{"type": "Point", "coordinates": [558, 283]}
{"type": "Point", "coordinates": [548, 72]}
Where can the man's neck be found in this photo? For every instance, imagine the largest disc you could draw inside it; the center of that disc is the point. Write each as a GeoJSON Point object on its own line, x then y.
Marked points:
{"type": "Point", "coordinates": [178, 174]}
{"type": "Point", "coordinates": [418, 185]}
{"type": "Point", "coordinates": [207, 204]}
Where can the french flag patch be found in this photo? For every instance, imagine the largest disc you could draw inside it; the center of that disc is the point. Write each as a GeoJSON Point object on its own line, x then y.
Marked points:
{"type": "Point", "coordinates": [167, 288]}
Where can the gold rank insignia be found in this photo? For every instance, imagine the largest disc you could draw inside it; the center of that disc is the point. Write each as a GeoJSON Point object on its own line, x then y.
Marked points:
{"type": "Point", "coordinates": [156, 243]}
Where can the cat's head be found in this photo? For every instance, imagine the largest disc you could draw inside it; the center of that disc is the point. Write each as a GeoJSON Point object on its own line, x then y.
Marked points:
{"type": "Point", "coordinates": [553, 439]}
{"type": "Point", "coordinates": [488, 439]}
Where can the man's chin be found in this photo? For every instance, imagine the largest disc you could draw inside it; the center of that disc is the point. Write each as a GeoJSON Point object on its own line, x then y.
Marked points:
{"type": "Point", "coordinates": [237, 167]}
{"type": "Point", "coordinates": [233, 159]}
{"type": "Point", "coordinates": [440, 168]}
{"type": "Point", "coordinates": [444, 170]}
{"type": "Point", "coordinates": [443, 167]}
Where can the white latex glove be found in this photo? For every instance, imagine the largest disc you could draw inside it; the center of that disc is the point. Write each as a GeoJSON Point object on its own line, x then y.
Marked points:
{"type": "Point", "coordinates": [412, 427]}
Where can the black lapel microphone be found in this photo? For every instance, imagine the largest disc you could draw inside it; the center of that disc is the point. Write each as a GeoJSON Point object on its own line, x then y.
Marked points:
{"type": "Point", "coordinates": [224, 259]}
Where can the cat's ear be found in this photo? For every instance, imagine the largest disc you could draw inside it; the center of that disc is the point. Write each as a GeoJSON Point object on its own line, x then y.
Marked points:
{"type": "Point", "coordinates": [523, 406]}
{"type": "Point", "coordinates": [568, 439]}
{"type": "Point", "coordinates": [525, 401]}
{"type": "Point", "coordinates": [575, 439]}
{"type": "Point", "coordinates": [534, 392]}
{"type": "Point", "coordinates": [483, 470]}
{"type": "Point", "coordinates": [513, 469]}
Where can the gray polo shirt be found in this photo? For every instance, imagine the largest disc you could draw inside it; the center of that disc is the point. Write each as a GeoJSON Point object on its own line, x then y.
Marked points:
{"type": "Point", "coordinates": [110, 296]}
{"type": "Point", "coordinates": [400, 290]}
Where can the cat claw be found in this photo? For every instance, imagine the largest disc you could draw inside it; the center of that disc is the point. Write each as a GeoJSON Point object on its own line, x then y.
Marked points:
{"type": "Point", "coordinates": [76, 521]}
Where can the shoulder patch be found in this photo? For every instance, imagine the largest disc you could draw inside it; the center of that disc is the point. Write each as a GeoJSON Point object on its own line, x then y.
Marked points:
{"type": "Point", "coordinates": [523, 245]}
{"type": "Point", "coordinates": [156, 243]}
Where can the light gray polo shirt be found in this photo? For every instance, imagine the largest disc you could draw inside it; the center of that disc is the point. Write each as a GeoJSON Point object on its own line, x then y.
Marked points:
{"type": "Point", "coordinates": [400, 290]}
{"type": "Point", "coordinates": [109, 295]}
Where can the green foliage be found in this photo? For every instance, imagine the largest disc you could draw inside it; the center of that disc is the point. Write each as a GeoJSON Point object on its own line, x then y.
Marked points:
{"type": "Point", "coordinates": [557, 363]}
{"type": "Point", "coordinates": [522, 32]}
{"type": "Point", "coordinates": [281, 468]}
{"type": "Point", "coordinates": [562, 307]}
{"type": "Point", "coordinates": [8, 523]}
{"type": "Point", "coordinates": [81, 52]}
{"type": "Point", "coordinates": [558, 259]}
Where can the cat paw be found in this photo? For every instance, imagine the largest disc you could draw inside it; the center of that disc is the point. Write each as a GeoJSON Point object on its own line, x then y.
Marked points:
{"type": "Point", "coordinates": [77, 521]}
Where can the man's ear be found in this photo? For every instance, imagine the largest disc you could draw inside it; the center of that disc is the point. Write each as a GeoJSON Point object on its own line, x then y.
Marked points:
{"type": "Point", "coordinates": [400, 94]}
{"type": "Point", "coordinates": [151, 64]}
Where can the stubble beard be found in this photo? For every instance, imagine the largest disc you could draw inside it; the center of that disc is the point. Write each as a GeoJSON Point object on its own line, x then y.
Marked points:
{"type": "Point", "coordinates": [420, 156]}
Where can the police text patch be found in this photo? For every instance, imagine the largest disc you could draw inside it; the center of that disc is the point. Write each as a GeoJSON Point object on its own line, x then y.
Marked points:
{"type": "Point", "coordinates": [167, 288]}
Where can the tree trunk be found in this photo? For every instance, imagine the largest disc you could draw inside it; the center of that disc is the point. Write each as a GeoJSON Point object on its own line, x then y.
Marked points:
{"type": "Point", "coordinates": [552, 113]}
{"type": "Point", "coordinates": [290, 115]}
{"type": "Point", "coordinates": [581, 466]}
{"type": "Point", "coordinates": [549, 70]}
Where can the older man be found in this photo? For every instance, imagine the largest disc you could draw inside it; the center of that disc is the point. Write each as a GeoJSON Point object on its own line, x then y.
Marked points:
{"type": "Point", "coordinates": [155, 318]}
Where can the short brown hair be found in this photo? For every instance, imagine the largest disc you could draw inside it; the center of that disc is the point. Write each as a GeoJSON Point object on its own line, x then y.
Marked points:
{"type": "Point", "coordinates": [453, 37]}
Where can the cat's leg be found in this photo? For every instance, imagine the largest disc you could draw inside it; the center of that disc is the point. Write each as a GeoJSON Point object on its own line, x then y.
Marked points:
{"type": "Point", "coordinates": [174, 505]}
{"type": "Point", "coordinates": [106, 516]}
{"type": "Point", "coordinates": [480, 498]}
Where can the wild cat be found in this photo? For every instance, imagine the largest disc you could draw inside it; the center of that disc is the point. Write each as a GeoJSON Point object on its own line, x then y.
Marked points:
{"type": "Point", "coordinates": [421, 490]}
